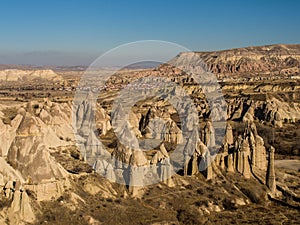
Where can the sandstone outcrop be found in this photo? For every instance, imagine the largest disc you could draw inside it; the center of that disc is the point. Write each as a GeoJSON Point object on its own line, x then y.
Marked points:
{"type": "Point", "coordinates": [171, 132]}
{"type": "Point", "coordinates": [271, 183]}
{"type": "Point", "coordinates": [209, 135]}
{"type": "Point", "coordinates": [13, 75]}
{"type": "Point", "coordinates": [255, 60]}
{"type": "Point", "coordinates": [21, 210]}
{"type": "Point", "coordinates": [26, 162]}
{"type": "Point", "coordinates": [163, 165]}
{"type": "Point", "coordinates": [229, 135]}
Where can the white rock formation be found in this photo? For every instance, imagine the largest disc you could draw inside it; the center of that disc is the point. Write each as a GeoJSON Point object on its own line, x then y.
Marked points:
{"type": "Point", "coordinates": [10, 75]}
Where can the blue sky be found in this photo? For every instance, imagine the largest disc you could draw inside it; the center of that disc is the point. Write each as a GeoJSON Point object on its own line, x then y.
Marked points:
{"type": "Point", "coordinates": [76, 32]}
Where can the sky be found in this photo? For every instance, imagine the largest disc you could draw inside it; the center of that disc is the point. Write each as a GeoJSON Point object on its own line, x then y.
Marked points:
{"type": "Point", "coordinates": [74, 32]}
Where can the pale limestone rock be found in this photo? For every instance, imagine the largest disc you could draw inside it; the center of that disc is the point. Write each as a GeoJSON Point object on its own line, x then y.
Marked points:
{"type": "Point", "coordinates": [13, 75]}
{"type": "Point", "coordinates": [192, 118]}
{"type": "Point", "coordinates": [9, 189]}
{"type": "Point", "coordinates": [138, 159]}
{"type": "Point", "coordinates": [22, 111]}
{"type": "Point", "coordinates": [136, 172]}
{"type": "Point", "coordinates": [171, 132]}
{"type": "Point", "coordinates": [151, 114]}
{"type": "Point", "coordinates": [240, 161]}
{"type": "Point", "coordinates": [246, 166]}
{"type": "Point", "coordinates": [21, 210]}
{"type": "Point", "coordinates": [159, 155]}
{"type": "Point", "coordinates": [278, 119]}
{"type": "Point", "coordinates": [2, 182]}
{"type": "Point", "coordinates": [102, 120]}
{"type": "Point", "coordinates": [250, 145]}
{"type": "Point", "coordinates": [85, 115]}
{"type": "Point", "coordinates": [189, 149]}
{"type": "Point", "coordinates": [46, 191]}
{"type": "Point", "coordinates": [165, 168]}
{"type": "Point", "coordinates": [257, 149]}
{"type": "Point", "coordinates": [222, 161]}
{"type": "Point", "coordinates": [166, 172]}
{"type": "Point", "coordinates": [225, 149]}
{"type": "Point", "coordinates": [127, 136]}
{"type": "Point", "coordinates": [218, 113]}
{"type": "Point", "coordinates": [271, 182]}
{"type": "Point", "coordinates": [260, 151]}
{"type": "Point", "coordinates": [249, 115]}
{"type": "Point", "coordinates": [134, 123]}
{"type": "Point", "coordinates": [121, 156]}
{"type": "Point", "coordinates": [230, 167]}
{"type": "Point", "coordinates": [237, 112]}
{"type": "Point", "coordinates": [229, 134]}
{"type": "Point", "coordinates": [8, 133]}
{"type": "Point", "coordinates": [45, 116]}
{"type": "Point", "coordinates": [154, 129]}
{"type": "Point", "coordinates": [93, 150]}
{"type": "Point", "coordinates": [29, 155]}
{"type": "Point", "coordinates": [276, 111]}
{"type": "Point", "coordinates": [9, 173]}
{"type": "Point", "coordinates": [202, 147]}
{"type": "Point", "coordinates": [101, 166]}
{"type": "Point", "coordinates": [209, 135]}
{"type": "Point", "coordinates": [110, 174]}
{"type": "Point", "coordinates": [209, 170]}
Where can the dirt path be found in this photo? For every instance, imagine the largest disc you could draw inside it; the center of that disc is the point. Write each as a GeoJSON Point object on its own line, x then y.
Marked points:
{"type": "Point", "coordinates": [292, 164]}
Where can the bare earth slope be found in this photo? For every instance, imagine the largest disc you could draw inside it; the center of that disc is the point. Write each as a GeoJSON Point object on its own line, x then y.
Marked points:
{"type": "Point", "coordinates": [261, 60]}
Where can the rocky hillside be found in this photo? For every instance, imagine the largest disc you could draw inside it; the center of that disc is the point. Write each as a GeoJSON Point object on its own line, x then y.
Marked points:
{"type": "Point", "coordinates": [45, 180]}
{"type": "Point", "coordinates": [14, 75]}
{"type": "Point", "coordinates": [262, 60]}
{"type": "Point", "coordinates": [220, 158]}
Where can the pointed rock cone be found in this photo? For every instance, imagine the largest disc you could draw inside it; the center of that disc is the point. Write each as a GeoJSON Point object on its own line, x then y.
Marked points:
{"type": "Point", "coordinates": [20, 210]}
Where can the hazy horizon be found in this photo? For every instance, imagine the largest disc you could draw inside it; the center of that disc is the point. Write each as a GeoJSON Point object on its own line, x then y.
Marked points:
{"type": "Point", "coordinates": [69, 34]}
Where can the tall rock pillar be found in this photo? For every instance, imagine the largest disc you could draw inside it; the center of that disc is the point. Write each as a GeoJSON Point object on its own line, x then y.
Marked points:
{"type": "Point", "coordinates": [271, 183]}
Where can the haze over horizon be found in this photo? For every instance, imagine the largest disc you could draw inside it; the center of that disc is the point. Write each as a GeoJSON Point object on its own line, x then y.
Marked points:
{"type": "Point", "coordinates": [63, 33]}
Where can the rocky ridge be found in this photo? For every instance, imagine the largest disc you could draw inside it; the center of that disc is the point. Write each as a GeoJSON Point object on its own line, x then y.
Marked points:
{"type": "Point", "coordinates": [15, 75]}
{"type": "Point", "coordinates": [267, 60]}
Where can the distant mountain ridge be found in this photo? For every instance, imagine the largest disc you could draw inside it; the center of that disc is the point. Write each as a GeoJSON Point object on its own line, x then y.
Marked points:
{"type": "Point", "coordinates": [279, 59]}
{"type": "Point", "coordinates": [14, 75]}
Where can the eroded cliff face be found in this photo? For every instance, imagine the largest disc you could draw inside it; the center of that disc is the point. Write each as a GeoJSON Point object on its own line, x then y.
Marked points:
{"type": "Point", "coordinates": [27, 164]}
{"type": "Point", "coordinates": [38, 167]}
{"type": "Point", "coordinates": [33, 166]}
{"type": "Point", "coordinates": [266, 60]}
